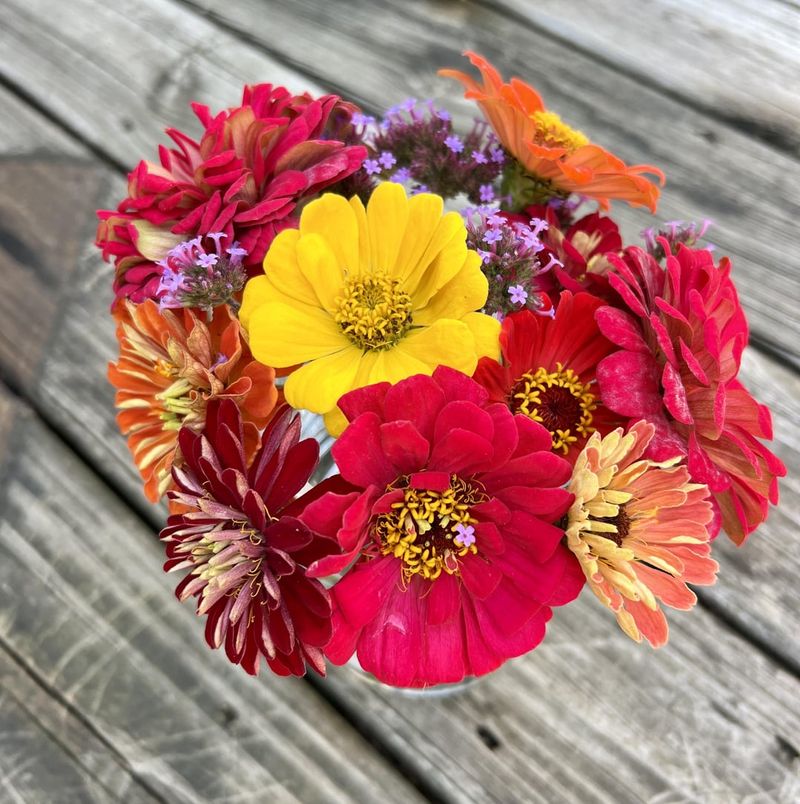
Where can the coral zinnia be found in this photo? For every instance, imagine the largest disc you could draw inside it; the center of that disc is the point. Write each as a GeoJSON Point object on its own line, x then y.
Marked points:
{"type": "Point", "coordinates": [243, 547]}
{"type": "Point", "coordinates": [170, 366]}
{"type": "Point", "coordinates": [680, 354]}
{"type": "Point", "coordinates": [556, 159]}
{"type": "Point", "coordinates": [368, 296]}
{"type": "Point", "coordinates": [458, 563]}
{"type": "Point", "coordinates": [548, 371]}
{"type": "Point", "coordinates": [253, 164]}
{"type": "Point", "coordinates": [639, 529]}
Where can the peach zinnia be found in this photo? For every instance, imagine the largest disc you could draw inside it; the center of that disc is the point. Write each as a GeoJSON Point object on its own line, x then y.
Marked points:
{"type": "Point", "coordinates": [170, 366]}
{"type": "Point", "coordinates": [556, 159]}
{"type": "Point", "coordinates": [640, 531]}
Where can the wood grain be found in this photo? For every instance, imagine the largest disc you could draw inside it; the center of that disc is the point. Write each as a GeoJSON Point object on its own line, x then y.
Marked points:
{"type": "Point", "coordinates": [87, 609]}
{"type": "Point", "coordinates": [159, 59]}
{"type": "Point", "coordinates": [743, 66]}
{"type": "Point", "coordinates": [47, 753]}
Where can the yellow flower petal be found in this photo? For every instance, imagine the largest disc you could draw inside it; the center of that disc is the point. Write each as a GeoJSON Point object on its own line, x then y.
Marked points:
{"type": "Point", "coordinates": [321, 268]}
{"type": "Point", "coordinates": [464, 293]}
{"type": "Point", "coordinates": [363, 234]}
{"type": "Point", "coordinates": [486, 331]}
{"type": "Point", "coordinates": [256, 292]}
{"type": "Point", "coordinates": [445, 343]}
{"type": "Point", "coordinates": [318, 385]}
{"type": "Point", "coordinates": [281, 268]}
{"type": "Point", "coordinates": [282, 335]}
{"type": "Point", "coordinates": [441, 261]}
{"type": "Point", "coordinates": [153, 242]}
{"type": "Point", "coordinates": [334, 219]}
{"type": "Point", "coordinates": [335, 422]}
{"type": "Point", "coordinates": [424, 216]}
{"type": "Point", "coordinates": [387, 215]}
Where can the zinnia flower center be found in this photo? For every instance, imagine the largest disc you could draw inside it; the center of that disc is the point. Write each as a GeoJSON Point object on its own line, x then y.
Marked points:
{"type": "Point", "coordinates": [374, 312]}
{"type": "Point", "coordinates": [177, 403]}
{"type": "Point", "coordinates": [621, 524]}
{"type": "Point", "coordinates": [557, 399]}
{"type": "Point", "coordinates": [553, 132]}
{"type": "Point", "coordinates": [430, 530]}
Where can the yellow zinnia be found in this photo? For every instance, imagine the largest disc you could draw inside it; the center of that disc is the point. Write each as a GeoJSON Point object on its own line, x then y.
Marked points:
{"type": "Point", "coordinates": [368, 295]}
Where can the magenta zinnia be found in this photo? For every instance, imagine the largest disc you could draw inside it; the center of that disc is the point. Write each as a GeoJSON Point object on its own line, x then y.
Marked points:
{"type": "Point", "coordinates": [680, 350]}
{"type": "Point", "coordinates": [243, 548]}
{"type": "Point", "coordinates": [252, 166]}
{"type": "Point", "coordinates": [457, 558]}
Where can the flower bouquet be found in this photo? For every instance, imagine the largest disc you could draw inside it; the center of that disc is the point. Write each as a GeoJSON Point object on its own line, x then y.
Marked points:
{"type": "Point", "coordinates": [521, 405]}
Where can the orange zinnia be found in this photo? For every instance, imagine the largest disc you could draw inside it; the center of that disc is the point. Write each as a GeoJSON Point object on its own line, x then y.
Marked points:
{"type": "Point", "coordinates": [170, 365]}
{"type": "Point", "coordinates": [559, 159]}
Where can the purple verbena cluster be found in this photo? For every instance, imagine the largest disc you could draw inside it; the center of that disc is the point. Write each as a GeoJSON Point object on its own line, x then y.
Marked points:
{"type": "Point", "coordinates": [193, 276]}
{"type": "Point", "coordinates": [510, 261]}
{"type": "Point", "coordinates": [675, 232]}
{"type": "Point", "coordinates": [416, 144]}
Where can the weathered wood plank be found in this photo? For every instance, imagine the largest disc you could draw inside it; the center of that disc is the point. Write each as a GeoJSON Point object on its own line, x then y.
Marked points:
{"type": "Point", "coordinates": [120, 99]}
{"type": "Point", "coordinates": [35, 768]}
{"type": "Point", "coordinates": [721, 56]}
{"type": "Point", "coordinates": [48, 754]}
{"type": "Point", "coordinates": [590, 716]}
{"type": "Point", "coordinates": [87, 609]}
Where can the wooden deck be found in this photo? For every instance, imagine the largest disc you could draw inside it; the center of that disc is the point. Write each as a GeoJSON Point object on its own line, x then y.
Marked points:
{"type": "Point", "coordinates": [107, 690]}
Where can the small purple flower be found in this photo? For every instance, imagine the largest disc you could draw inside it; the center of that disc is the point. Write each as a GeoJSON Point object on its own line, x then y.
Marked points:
{"type": "Point", "coordinates": [498, 314]}
{"type": "Point", "coordinates": [454, 144]}
{"type": "Point", "coordinates": [372, 166]}
{"type": "Point", "coordinates": [420, 188]}
{"type": "Point", "coordinates": [495, 220]}
{"type": "Point", "coordinates": [408, 104]}
{"type": "Point", "coordinates": [538, 225]}
{"type": "Point", "coordinates": [402, 175]}
{"type": "Point", "coordinates": [493, 235]}
{"type": "Point", "coordinates": [207, 260]}
{"type": "Point", "coordinates": [487, 192]}
{"type": "Point", "coordinates": [193, 276]}
{"type": "Point", "coordinates": [359, 119]}
{"type": "Point", "coordinates": [387, 159]}
{"type": "Point", "coordinates": [497, 155]}
{"type": "Point", "coordinates": [485, 256]}
{"type": "Point", "coordinates": [466, 535]}
{"type": "Point", "coordinates": [479, 157]}
{"type": "Point", "coordinates": [518, 294]}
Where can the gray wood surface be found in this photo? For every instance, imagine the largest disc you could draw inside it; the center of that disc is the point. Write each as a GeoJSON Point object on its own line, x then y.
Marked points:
{"type": "Point", "coordinates": [87, 611]}
{"type": "Point", "coordinates": [106, 677]}
{"type": "Point", "coordinates": [159, 59]}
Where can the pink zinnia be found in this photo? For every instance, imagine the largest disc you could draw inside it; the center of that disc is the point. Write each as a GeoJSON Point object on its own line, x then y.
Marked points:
{"type": "Point", "coordinates": [681, 346]}
{"type": "Point", "coordinates": [457, 559]}
{"type": "Point", "coordinates": [245, 177]}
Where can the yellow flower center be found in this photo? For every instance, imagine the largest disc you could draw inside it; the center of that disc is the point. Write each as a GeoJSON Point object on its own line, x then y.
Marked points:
{"type": "Point", "coordinates": [553, 132]}
{"type": "Point", "coordinates": [374, 312]}
{"type": "Point", "coordinates": [559, 400]}
{"type": "Point", "coordinates": [430, 530]}
{"type": "Point", "coordinates": [164, 368]}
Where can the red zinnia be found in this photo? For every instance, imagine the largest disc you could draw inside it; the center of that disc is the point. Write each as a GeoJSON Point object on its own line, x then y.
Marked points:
{"type": "Point", "coordinates": [458, 563]}
{"type": "Point", "coordinates": [677, 367]}
{"type": "Point", "coordinates": [242, 545]}
{"type": "Point", "coordinates": [548, 371]}
{"type": "Point", "coordinates": [252, 166]}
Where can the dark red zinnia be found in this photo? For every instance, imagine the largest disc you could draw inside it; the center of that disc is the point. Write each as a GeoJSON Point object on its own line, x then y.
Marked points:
{"type": "Point", "coordinates": [242, 545]}
{"type": "Point", "coordinates": [457, 559]}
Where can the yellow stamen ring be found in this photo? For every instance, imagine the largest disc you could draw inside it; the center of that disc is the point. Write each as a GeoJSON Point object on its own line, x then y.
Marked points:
{"type": "Point", "coordinates": [559, 401]}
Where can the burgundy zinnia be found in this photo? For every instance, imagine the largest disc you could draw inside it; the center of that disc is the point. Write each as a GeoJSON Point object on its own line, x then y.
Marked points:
{"type": "Point", "coordinates": [681, 345]}
{"type": "Point", "coordinates": [242, 545]}
{"type": "Point", "coordinates": [458, 559]}
{"type": "Point", "coordinates": [252, 166]}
